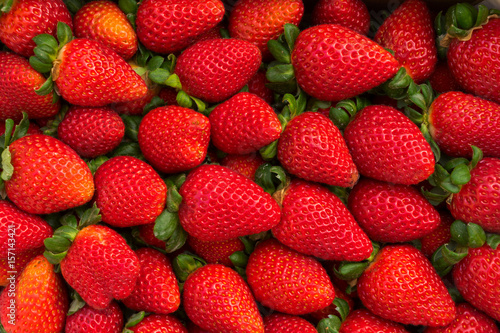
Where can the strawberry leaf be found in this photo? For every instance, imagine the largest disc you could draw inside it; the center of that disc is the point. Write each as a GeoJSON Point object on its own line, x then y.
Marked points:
{"type": "Point", "coordinates": [477, 155]}
{"type": "Point", "coordinates": [64, 34]}
{"type": "Point", "coordinates": [186, 263]}
{"type": "Point", "coordinates": [174, 199]}
{"type": "Point", "coordinates": [165, 225]}
{"type": "Point", "coordinates": [7, 5]}
{"type": "Point", "coordinates": [7, 168]}
{"type": "Point", "coordinates": [46, 88]}
{"type": "Point", "coordinates": [128, 6]}
{"type": "Point", "coordinates": [89, 216]}
{"type": "Point", "coordinates": [57, 244]}
{"type": "Point", "coordinates": [460, 175]}
{"type": "Point", "coordinates": [67, 231]}
{"type": "Point", "coordinates": [290, 32]}
{"type": "Point", "coordinates": [54, 258]}
{"type": "Point", "coordinates": [342, 307]}
{"type": "Point", "coordinates": [135, 319]}
{"type": "Point", "coordinates": [493, 240]}
{"type": "Point", "coordinates": [176, 240]}
{"type": "Point", "coordinates": [73, 5]}
{"type": "Point", "coordinates": [329, 325]}
{"type": "Point", "coordinates": [279, 51]}
{"type": "Point", "coordinates": [280, 73]}
{"type": "Point", "coordinates": [76, 304]}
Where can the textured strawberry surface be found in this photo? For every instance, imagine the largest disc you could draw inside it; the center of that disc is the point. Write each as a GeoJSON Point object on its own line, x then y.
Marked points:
{"type": "Point", "coordinates": [159, 323]}
{"type": "Point", "coordinates": [362, 321]}
{"type": "Point", "coordinates": [89, 320]}
{"type": "Point", "coordinates": [216, 252]}
{"type": "Point", "coordinates": [279, 322]}
{"type": "Point", "coordinates": [352, 14]}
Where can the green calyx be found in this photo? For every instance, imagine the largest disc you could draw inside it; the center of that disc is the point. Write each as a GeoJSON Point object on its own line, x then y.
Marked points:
{"type": "Point", "coordinates": [352, 270]}
{"type": "Point", "coordinates": [185, 264]}
{"type": "Point", "coordinates": [271, 177]}
{"type": "Point", "coordinates": [133, 320]}
{"type": "Point", "coordinates": [5, 6]}
{"type": "Point", "coordinates": [332, 323]}
{"type": "Point", "coordinates": [129, 7]}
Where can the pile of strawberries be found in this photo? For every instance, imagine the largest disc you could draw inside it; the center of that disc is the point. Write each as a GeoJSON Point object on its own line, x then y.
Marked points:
{"type": "Point", "coordinates": [249, 166]}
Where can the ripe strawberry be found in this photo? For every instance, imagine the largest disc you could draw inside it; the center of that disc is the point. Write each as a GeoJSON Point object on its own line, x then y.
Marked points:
{"type": "Point", "coordinates": [216, 252]}
{"type": "Point", "coordinates": [246, 164]}
{"type": "Point", "coordinates": [442, 80]}
{"type": "Point", "coordinates": [29, 18]}
{"type": "Point", "coordinates": [146, 234]}
{"type": "Point", "coordinates": [100, 266]}
{"type": "Point", "coordinates": [174, 138]}
{"type": "Point", "coordinates": [159, 323]}
{"type": "Point", "coordinates": [391, 213]}
{"type": "Point", "coordinates": [401, 285]}
{"type": "Point", "coordinates": [286, 280]}
{"type": "Point", "coordinates": [362, 320]}
{"type": "Point", "coordinates": [18, 81]}
{"type": "Point", "coordinates": [105, 22]}
{"type": "Point", "coordinates": [89, 320]}
{"type": "Point", "coordinates": [257, 86]}
{"type": "Point", "coordinates": [48, 176]}
{"type": "Point", "coordinates": [37, 302]}
{"type": "Point", "coordinates": [386, 145]}
{"type": "Point", "coordinates": [332, 309]}
{"type": "Point", "coordinates": [315, 222]}
{"type": "Point", "coordinates": [217, 299]}
{"type": "Point", "coordinates": [243, 124]}
{"type": "Point", "coordinates": [439, 236]}
{"type": "Point", "coordinates": [458, 120]}
{"type": "Point", "coordinates": [216, 69]}
{"type": "Point", "coordinates": [220, 204]}
{"type": "Point", "coordinates": [477, 200]}
{"type": "Point", "coordinates": [409, 32]}
{"type": "Point", "coordinates": [129, 192]}
{"type": "Point", "coordinates": [157, 288]}
{"type": "Point", "coordinates": [7, 273]}
{"type": "Point", "coordinates": [284, 323]}
{"type": "Point", "coordinates": [312, 148]}
{"type": "Point", "coordinates": [352, 14]}
{"type": "Point", "coordinates": [333, 63]}
{"type": "Point", "coordinates": [91, 132]}
{"type": "Point", "coordinates": [259, 21]}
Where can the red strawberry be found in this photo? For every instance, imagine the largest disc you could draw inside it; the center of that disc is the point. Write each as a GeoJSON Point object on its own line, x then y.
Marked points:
{"type": "Point", "coordinates": [217, 299]}
{"type": "Point", "coordinates": [105, 22]}
{"type": "Point", "coordinates": [219, 204]}
{"type": "Point", "coordinates": [174, 138]}
{"type": "Point", "coordinates": [91, 132]}
{"type": "Point", "coordinates": [286, 280]}
{"type": "Point", "coordinates": [18, 81]}
{"type": "Point", "coordinates": [333, 63]}
{"type": "Point", "coordinates": [33, 128]}
{"type": "Point", "coordinates": [387, 146]}
{"type": "Point", "coordinates": [129, 192]}
{"type": "Point", "coordinates": [362, 320]}
{"type": "Point", "coordinates": [257, 86]}
{"type": "Point", "coordinates": [100, 266]}
{"type": "Point", "coordinates": [166, 26]}
{"type": "Point", "coordinates": [216, 252]}
{"type": "Point", "coordinates": [332, 309]}
{"type": "Point", "coordinates": [216, 69]}
{"type": "Point", "coordinates": [146, 234]}
{"type": "Point", "coordinates": [7, 273]}
{"type": "Point", "coordinates": [439, 236]}
{"type": "Point", "coordinates": [156, 289]}
{"type": "Point", "coordinates": [36, 302]}
{"type": "Point", "coordinates": [458, 120]}
{"type": "Point", "coordinates": [29, 18]}
{"type": "Point", "coordinates": [243, 124]}
{"type": "Point", "coordinates": [352, 14]}
{"type": "Point", "coordinates": [312, 148]}
{"type": "Point", "coordinates": [409, 32]}
{"type": "Point", "coordinates": [477, 200]}
{"type": "Point", "coordinates": [246, 164]}
{"type": "Point", "coordinates": [314, 221]}
{"type": "Point", "coordinates": [401, 285]}
{"type": "Point", "coordinates": [284, 323]}
{"type": "Point", "coordinates": [48, 176]}
{"type": "Point", "coordinates": [89, 320]}
{"type": "Point", "coordinates": [442, 80]}
{"type": "Point", "coordinates": [159, 323]}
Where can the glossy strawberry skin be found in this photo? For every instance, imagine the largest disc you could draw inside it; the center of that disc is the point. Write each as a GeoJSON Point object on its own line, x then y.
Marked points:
{"type": "Point", "coordinates": [362, 320]}
{"type": "Point", "coordinates": [166, 26]}
{"type": "Point", "coordinates": [220, 204]}
{"type": "Point", "coordinates": [246, 164]}
{"type": "Point", "coordinates": [174, 138]}
{"type": "Point", "coordinates": [286, 280]}
{"type": "Point", "coordinates": [105, 22]}
{"type": "Point", "coordinates": [214, 70]}
{"type": "Point", "coordinates": [146, 234]}
{"type": "Point", "coordinates": [29, 18]}
{"type": "Point", "coordinates": [279, 323]}
{"type": "Point", "coordinates": [216, 252]}
{"type": "Point", "coordinates": [129, 192]}
{"type": "Point", "coordinates": [243, 124]}
{"type": "Point", "coordinates": [257, 86]}
{"type": "Point", "coordinates": [21, 260]}
{"type": "Point", "coordinates": [458, 120]}
{"type": "Point", "coordinates": [352, 14]}
{"type": "Point", "coordinates": [401, 285]}
{"type": "Point", "coordinates": [159, 323]}
{"type": "Point", "coordinates": [209, 289]}
{"type": "Point", "coordinates": [350, 63]}
{"type": "Point", "coordinates": [315, 222]}
{"type": "Point", "coordinates": [477, 200]}
{"type": "Point", "coordinates": [89, 320]}
{"type": "Point", "coordinates": [385, 145]}
{"type": "Point", "coordinates": [48, 176]}
{"type": "Point", "coordinates": [100, 266]}
{"type": "Point", "coordinates": [18, 81]}
{"type": "Point", "coordinates": [442, 80]}
{"type": "Point", "coordinates": [439, 236]}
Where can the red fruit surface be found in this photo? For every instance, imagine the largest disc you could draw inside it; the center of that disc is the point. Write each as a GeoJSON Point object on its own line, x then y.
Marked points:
{"type": "Point", "coordinates": [159, 323]}
{"type": "Point", "coordinates": [284, 323]}
{"type": "Point", "coordinates": [442, 80]}
{"type": "Point", "coordinates": [363, 321]}
{"type": "Point", "coordinates": [146, 234]}
{"type": "Point", "coordinates": [332, 309]}
{"type": "Point", "coordinates": [21, 260]}
{"type": "Point", "coordinates": [439, 236]}
{"type": "Point", "coordinates": [246, 164]}
{"type": "Point", "coordinates": [89, 320]}
{"type": "Point", "coordinates": [216, 252]}
{"type": "Point", "coordinates": [352, 14]}
{"type": "Point", "coordinates": [257, 86]}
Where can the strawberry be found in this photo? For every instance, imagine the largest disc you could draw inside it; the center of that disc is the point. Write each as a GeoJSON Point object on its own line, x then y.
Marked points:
{"type": "Point", "coordinates": [314, 221]}
{"type": "Point", "coordinates": [36, 302]}
{"type": "Point", "coordinates": [259, 21]}
{"type": "Point", "coordinates": [21, 260]}
{"type": "Point", "coordinates": [332, 63]}
{"type": "Point", "coordinates": [129, 192]}
{"type": "Point", "coordinates": [100, 266]}
{"type": "Point", "coordinates": [392, 213]}
{"type": "Point", "coordinates": [91, 132]}
{"type": "Point", "coordinates": [386, 145]}
{"type": "Point", "coordinates": [48, 176]}
{"type": "Point", "coordinates": [442, 80]}
{"type": "Point", "coordinates": [146, 234]}
{"type": "Point", "coordinates": [217, 299]}
{"type": "Point", "coordinates": [156, 289]}
{"type": "Point", "coordinates": [216, 252]}
{"type": "Point", "coordinates": [458, 120]}
{"type": "Point", "coordinates": [18, 81]}
{"type": "Point", "coordinates": [477, 200]}
{"type": "Point", "coordinates": [438, 236]}
{"type": "Point", "coordinates": [89, 320]}
{"type": "Point", "coordinates": [243, 124]}
{"type": "Point", "coordinates": [105, 22]}
{"type": "Point", "coordinates": [286, 280]}
{"type": "Point", "coordinates": [159, 323]}
{"type": "Point", "coordinates": [284, 323]}
{"type": "Point", "coordinates": [362, 320]}
{"type": "Point", "coordinates": [332, 309]}
{"type": "Point", "coordinates": [352, 14]}
{"type": "Point", "coordinates": [33, 128]}
{"type": "Point", "coordinates": [409, 32]}
{"type": "Point", "coordinates": [257, 86]}
{"type": "Point", "coordinates": [402, 286]}
{"type": "Point", "coordinates": [220, 204]}
{"type": "Point", "coordinates": [174, 138]}
{"type": "Point", "coordinates": [312, 148]}
{"type": "Point", "coordinates": [246, 164]}
{"type": "Point", "coordinates": [29, 18]}
{"type": "Point", "coordinates": [214, 70]}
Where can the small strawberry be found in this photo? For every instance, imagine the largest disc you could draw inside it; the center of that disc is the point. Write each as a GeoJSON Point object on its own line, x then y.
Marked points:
{"type": "Point", "coordinates": [439, 236]}
{"type": "Point", "coordinates": [216, 252]}
{"type": "Point", "coordinates": [362, 320]}
{"type": "Point", "coordinates": [257, 86]}
{"type": "Point", "coordinates": [146, 234]}
{"type": "Point", "coordinates": [89, 320]}
{"type": "Point", "coordinates": [284, 323]}
{"type": "Point", "coordinates": [352, 14]}
{"type": "Point", "coordinates": [158, 323]}
{"type": "Point", "coordinates": [441, 80]}
{"type": "Point", "coordinates": [246, 164]}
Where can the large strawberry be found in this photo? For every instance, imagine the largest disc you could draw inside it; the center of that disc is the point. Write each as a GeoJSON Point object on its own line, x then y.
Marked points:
{"type": "Point", "coordinates": [90, 320]}
{"type": "Point", "coordinates": [352, 14]}
{"type": "Point", "coordinates": [362, 320]}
